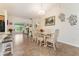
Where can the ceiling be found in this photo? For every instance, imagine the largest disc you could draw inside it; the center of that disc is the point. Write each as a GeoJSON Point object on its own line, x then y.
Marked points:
{"type": "Point", "coordinates": [27, 10]}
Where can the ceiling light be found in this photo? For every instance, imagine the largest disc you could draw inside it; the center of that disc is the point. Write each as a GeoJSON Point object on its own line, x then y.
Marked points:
{"type": "Point", "coordinates": [41, 12]}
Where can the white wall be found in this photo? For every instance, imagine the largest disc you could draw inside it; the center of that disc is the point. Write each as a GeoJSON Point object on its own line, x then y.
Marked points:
{"type": "Point", "coordinates": [68, 34]}
{"type": "Point", "coordinates": [15, 19]}
{"type": "Point", "coordinates": [53, 12]}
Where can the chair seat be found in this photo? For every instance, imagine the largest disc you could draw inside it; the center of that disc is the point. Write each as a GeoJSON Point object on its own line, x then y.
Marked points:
{"type": "Point", "coordinates": [50, 40]}
{"type": "Point", "coordinates": [41, 39]}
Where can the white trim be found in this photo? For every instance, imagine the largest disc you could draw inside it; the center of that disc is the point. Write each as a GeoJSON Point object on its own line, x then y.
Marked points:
{"type": "Point", "coordinates": [69, 43]}
{"type": "Point", "coordinates": [5, 12]}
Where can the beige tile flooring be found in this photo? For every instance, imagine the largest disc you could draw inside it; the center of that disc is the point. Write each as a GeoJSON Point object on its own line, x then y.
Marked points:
{"type": "Point", "coordinates": [30, 48]}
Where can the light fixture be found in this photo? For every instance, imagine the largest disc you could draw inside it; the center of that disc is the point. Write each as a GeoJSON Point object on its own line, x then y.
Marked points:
{"type": "Point", "coordinates": [38, 8]}
{"type": "Point", "coordinates": [41, 11]}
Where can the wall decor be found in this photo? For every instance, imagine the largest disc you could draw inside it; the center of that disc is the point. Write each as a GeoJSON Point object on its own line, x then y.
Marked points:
{"type": "Point", "coordinates": [50, 21]}
{"type": "Point", "coordinates": [62, 17]}
{"type": "Point", "coordinates": [72, 19]}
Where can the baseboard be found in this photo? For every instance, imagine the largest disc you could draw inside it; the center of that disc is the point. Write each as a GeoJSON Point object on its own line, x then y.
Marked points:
{"type": "Point", "coordinates": [69, 43]}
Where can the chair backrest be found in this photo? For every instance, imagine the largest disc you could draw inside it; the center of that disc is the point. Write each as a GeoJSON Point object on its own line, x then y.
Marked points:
{"type": "Point", "coordinates": [56, 34]}
{"type": "Point", "coordinates": [48, 36]}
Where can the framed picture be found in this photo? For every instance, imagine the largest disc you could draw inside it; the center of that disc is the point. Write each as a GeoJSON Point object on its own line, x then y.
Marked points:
{"type": "Point", "coordinates": [50, 21]}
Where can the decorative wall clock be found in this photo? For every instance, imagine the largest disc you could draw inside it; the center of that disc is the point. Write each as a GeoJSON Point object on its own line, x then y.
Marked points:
{"type": "Point", "coordinates": [72, 19]}
{"type": "Point", "coordinates": [62, 17]}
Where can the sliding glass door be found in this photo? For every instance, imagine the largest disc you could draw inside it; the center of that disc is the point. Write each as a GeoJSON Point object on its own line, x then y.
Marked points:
{"type": "Point", "coordinates": [19, 27]}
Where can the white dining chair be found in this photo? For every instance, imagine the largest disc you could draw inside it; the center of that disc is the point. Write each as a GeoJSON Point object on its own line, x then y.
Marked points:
{"type": "Point", "coordinates": [52, 39]}
{"type": "Point", "coordinates": [34, 37]}
{"type": "Point", "coordinates": [40, 39]}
